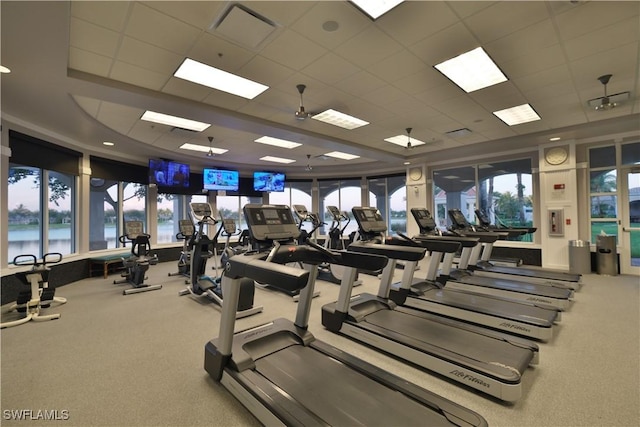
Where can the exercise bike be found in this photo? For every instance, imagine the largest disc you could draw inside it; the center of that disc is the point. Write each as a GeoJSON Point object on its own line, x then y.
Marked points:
{"type": "Point", "coordinates": [187, 235]}
{"type": "Point", "coordinates": [204, 248]}
{"type": "Point", "coordinates": [137, 264]}
{"type": "Point", "coordinates": [36, 292]}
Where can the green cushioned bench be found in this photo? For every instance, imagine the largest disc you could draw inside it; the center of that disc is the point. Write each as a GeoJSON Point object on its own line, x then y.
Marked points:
{"type": "Point", "coordinates": [105, 261]}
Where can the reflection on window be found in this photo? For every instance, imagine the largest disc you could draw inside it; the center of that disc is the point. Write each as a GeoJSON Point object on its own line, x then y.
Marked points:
{"type": "Point", "coordinates": [603, 181]}
{"type": "Point", "coordinates": [603, 198]}
{"type": "Point", "coordinates": [454, 189]}
{"type": "Point", "coordinates": [28, 223]}
{"type": "Point", "coordinates": [389, 195]}
{"type": "Point", "coordinates": [344, 194]}
{"type": "Point", "coordinates": [171, 210]}
{"type": "Point", "coordinates": [103, 214]}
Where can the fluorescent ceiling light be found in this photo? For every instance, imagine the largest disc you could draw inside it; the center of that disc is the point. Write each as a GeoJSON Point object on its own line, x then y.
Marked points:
{"type": "Point", "coordinates": [472, 70]}
{"type": "Point", "coordinates": [206, 75]}
{"type": "Point", "coordinates": [276, 159]}
{"type": "Point", "coordinates": [451, 177]}
{"type": "Point", "coordinates": [202, 148]}
{"type": "Point", "coordinates": [108, 143]}
{"type": "Point", "coordinates": [342, 120]}
{"type": "Point", "coordinates": [283, 143]}
{"type": "Point", "coordinates": [517, 115]}
{"type": "Point", "coordinates": [555, 138]}
{"type": "Point", "coordinates": [341, 155]}
{"type": "Point", "coordinates": [165, 119]}
{"type": "Point", "coordinates": [403, 139]}
{"type": "Point", "coordinates": [4, 70]}
{"type": "Point", "coordinates": [376, 8]}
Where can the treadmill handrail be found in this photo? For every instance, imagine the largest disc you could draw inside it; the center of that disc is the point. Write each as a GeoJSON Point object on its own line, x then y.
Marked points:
{"type": "Point", "coordinates": [254, 267]}
{"type": "Point", "coordinates": [431, 244]}
{"type": "Point", "coordinates": [404, 253]}
{"type": "Point", "coordinates": [465, 242]}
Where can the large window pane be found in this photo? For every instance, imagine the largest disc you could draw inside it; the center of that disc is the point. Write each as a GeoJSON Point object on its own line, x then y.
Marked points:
{"type": "Point", "coordinates": [631, 154]}
{"type": "Point", "coordinates": [609, 228]}
{"type": "Point", "coordinates": [604, 206]}
{"type": "Point", "coordinates": [103, 214]}
{"type": "Point", "coordinates": [345, 194]}
{"type": "Point", "coordinates": [23, 194]}
{"type": "Point", "coordinates": [389, 195]}
{"type": "Point", "coordinates": [454, 189]}
{"type": "Point", "coordinates": [602, 157]}
{"type": "Point", "coordinates": [170, 211]}
{"type": "Point", "coordinates": [603, 181]}
{"type": "Point", "coordinates": [60, 203]}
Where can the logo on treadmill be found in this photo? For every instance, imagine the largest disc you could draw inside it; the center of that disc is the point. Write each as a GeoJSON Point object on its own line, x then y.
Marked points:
{"type": "Point", "coordinates": [539, 300]}
{"type": "Point", "coordinates": [516, 327]}
{"type": "Point", "coordinates": [470, 378]}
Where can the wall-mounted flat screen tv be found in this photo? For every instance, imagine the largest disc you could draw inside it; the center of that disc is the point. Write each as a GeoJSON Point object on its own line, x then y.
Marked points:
{"type": "Point", "coordinates": [220, 179]}
{"type": "Point", "coordinates": [167, 173]}
{"type": "Point", "coordinates": [268, 181]}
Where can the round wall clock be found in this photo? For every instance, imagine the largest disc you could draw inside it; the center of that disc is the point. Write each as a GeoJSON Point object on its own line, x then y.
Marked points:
{"type": "Point", "coordinates": [556, 156]}
{"type": "Point", "coordinates": [415, 174]}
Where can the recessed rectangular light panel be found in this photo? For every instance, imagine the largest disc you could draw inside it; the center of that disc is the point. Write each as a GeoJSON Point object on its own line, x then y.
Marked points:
{"type": "Point", "coordinates": [165, 119]}
{"type": "Point", "coordinates": [341, 155]}
{"type": "Point", "coordinates": [282, 143]}
{"type": "Point", "coordinates": [339, 119]}
{"type": "Point", "coordinates": [276, 159]}
{"type": "Point", "coordinates": [402, 140]}
{"type": "Point", "coordinates": [205, 75]}
{"type": "Point", "coordinates": [517, 115]}
{"type": "Point", "coordinates": [472, 70]}
{"type": "Point", "coordinates": [202, 148]}
{"type": "Point", "coordinates": [376, 8]}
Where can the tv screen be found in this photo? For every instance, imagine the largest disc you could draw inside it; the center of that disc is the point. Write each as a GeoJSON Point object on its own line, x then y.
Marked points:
{"type": "Point", "coordinates": [268, 181]}
{"type": "Point", "coordinates": [220, 179]}
{"type": "Point", "coordinates": [167, 173]}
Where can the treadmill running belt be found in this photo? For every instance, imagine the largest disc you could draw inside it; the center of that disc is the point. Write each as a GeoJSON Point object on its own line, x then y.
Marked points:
{"type": "Point", "coordinates": [496, 357]}
{"type": "Point", "coordinates": [525, 272]}
{"type": "Point", "coordinates": [338, 394]}
{"type": "Point", "coordinates": [517, 286]}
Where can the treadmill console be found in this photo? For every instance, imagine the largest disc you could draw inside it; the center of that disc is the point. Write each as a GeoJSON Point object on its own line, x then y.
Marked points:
{"type": "Point", "coordinates": [369, 219]}
{"type": "Point", "coordinates": [133, 229]}
{"type": "Point", "coordinates": [424, 219]}
{"type": "Point", "coordinates": [270, 222]}
{"type": "Point", "coordinates": [457, 219]}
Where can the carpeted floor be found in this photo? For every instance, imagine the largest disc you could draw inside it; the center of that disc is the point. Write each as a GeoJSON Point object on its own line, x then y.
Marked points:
{"type": "Point", "coordinates": [137, 360]}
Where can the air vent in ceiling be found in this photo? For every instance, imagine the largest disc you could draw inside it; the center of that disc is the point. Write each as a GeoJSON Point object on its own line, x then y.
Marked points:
{"type": "Point", "coordinates": [182, 132]}
{"type": "Point", "coordinates": [242, 25]}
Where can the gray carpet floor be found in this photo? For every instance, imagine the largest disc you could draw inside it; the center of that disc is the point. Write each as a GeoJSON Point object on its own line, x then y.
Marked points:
{"type": "Point", "coordinates": [137, 360]}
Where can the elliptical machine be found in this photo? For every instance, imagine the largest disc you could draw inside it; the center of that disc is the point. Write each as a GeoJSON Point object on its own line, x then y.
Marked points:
{"type": "Point", "coordinates": [136, 265]}
{"type": "Point", "coordinates": [203, 248]}
{"type": "Point", "coordinates": [36, 292]}
{"type": "Point", "coordinates": [332, 272]}
{"type": "Point", "coordinates": [187, 235]}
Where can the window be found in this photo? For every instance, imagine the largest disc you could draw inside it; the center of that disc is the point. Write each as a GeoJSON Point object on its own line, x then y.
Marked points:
{"type": "Point", "coordinates": [295, 193]}
{"type": "Point", "coordinates": [28, 222]}
{"type": "Point", "coordinates": [345, 194]}
{"type": "Point", "coordinates": [603, 198]}
{"type": "Point", "coordinates": [502, 190]}
{"type": "Point", "coordinates": [171, 208]}
{"type": "Point", "coordinates": [389, 195]}
{"type": "Point", "coordinates": [104, 212]}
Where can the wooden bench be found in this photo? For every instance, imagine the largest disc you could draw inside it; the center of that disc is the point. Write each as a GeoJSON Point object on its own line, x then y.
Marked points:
{"type": "Point", "coordinates": [105, 261]}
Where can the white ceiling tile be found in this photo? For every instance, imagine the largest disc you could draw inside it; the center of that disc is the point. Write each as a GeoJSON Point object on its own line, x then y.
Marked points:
{"type": "Point", "coordinates": [368, 47]}
{"type": "Point", "coordinates": [186, 89]}
{"type": "Point", "coordinates": [137, 76]}
{"type": "Point", "coordinates": [464, 9]}
{"type": "Point", "coordinates": [416, 20]}
{"type": "Point", "coordinates": [89, 105]}
{"type": "Point", "coordinates": [284, 13]}
{"type": "Point", "coordinates": [446, 44]}
{"type": "Point", "coordinates": [622, 62]}
{"type": "Point", "coordinates": [90, 37]}
{"type": "Point", "coordinates": [397, 66]}
{"type": "Point", "coordinates": [360, 83]}
{"type": "Point", "coordinates": [225, 100]}
{"type": "Point", "coordinates": [537, 61]}
{"type": "Point", "coordinates": [121, 118]}
{"type": "Point", "coordinates": [521, 43]}
{"type": "Point", "coordinates": [199, 14]}
{"type": "Point", "coordinates": [148, 56]}
{"type": "Point", "coordinates": [330, 69]}
{"type": "Point", "coordinates": [161, 30]}
{"type": "Point", "coordinates": [89, 62]}
{"type": "Point", "coordinates": [592, 15]}
{"type": "Point", "coordinates": [350, 22]}
{"type": "Point", "coordinates": [512, 15]}
{"type": "Point", "coordinates": [219, 53]}
{"type": "Point", "coordinates": [108, 14]}
{"type": "Point", "coordinates": [265, 71]}
{"type": "Point", "coordinates": [293, 50]}
{"type": "Point", "coordinates": [603, 39]}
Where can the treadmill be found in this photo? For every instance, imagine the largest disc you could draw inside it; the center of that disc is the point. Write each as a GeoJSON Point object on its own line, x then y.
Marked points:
{"type": "Point", "coordinates": [465, 279]}
{"type": "Point", "coordinates": [432, 295]}
{"type": "Point", "coordinates": [489, 361]}
{"type": "Point", "coordinates": [485, 267]}
{"type": "Point", "coordinates": [285, 376]}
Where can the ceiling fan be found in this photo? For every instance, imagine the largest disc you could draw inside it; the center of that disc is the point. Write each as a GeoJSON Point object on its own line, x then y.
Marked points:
{"type": "Point", "coordinates": [301, 114]}
{"type": "Point", "coordinates": [409, 146]}
{"type": "Point", "coordinates": [210, 153]}
{"type": "Point", "coordinates": [607, 102]}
